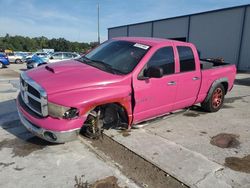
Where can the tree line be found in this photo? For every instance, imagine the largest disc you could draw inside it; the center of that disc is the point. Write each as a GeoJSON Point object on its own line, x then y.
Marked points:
{"type": "Point", "coordinates": [27, 44]}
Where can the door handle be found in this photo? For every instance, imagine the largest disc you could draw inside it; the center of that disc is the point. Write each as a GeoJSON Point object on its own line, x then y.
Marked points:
{"type": "Point", "coordinates": [196, 78]}
{"type": "Point", "coordinates": [171, 83]}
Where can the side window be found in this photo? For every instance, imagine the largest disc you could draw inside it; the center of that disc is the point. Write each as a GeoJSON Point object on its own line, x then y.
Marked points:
{"type": "Point", "coordinates": [163, 58]}
{"type": "Point", "coordinates": [67, 56]}
{"type": "Point", "coordinates": [187, 62]}
{"type": "Point", "coordinates": [57, 56]}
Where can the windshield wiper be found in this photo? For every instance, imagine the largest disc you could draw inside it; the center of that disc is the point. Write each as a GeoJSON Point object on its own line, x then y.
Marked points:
{"type": "Point", "coordinates": [106, 66]}
{"type": "Point", "coordinates": [99, 64]}
{"type": "Point", "coordinates": [84, 59]}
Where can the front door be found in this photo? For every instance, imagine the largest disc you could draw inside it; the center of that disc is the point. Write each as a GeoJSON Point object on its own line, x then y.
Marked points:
{"type": "Point", "coordinates": [155, 96]}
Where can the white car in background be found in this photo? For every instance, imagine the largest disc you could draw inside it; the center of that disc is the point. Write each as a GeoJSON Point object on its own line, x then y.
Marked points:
{"type": "Point", "coordinates": [61, 56]}
{"type": "Point", "coordinates": [15, 57]}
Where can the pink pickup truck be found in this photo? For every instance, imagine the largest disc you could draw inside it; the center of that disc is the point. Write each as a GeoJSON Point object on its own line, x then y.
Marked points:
{"type": "Point", "coordinates": [121, 83]}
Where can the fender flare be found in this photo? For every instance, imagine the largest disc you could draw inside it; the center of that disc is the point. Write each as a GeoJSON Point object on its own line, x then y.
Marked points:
{"type": "Point", "coordinates": [213, 86]}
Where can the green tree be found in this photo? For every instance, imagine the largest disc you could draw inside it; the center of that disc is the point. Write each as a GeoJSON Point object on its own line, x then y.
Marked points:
{"type": "Point", "coordinates": [20, 43]}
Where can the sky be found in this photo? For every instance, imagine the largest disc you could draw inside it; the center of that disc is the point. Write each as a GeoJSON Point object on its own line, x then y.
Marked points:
{"type": "Point", "coordinates": [76, 20]}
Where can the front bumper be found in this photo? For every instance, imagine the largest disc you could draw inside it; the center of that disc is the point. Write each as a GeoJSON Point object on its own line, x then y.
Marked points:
{"type": "Point", "coordinates": [46, 134]}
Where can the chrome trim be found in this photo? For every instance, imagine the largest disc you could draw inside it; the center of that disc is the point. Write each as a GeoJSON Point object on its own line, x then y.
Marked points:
{"type": "Point", "coordinates": [25, 94]}
{"type": "Point", "coordinates": [196, 78]}
{"type": "Point", "coordinates": [171, 83]}
{"type": "Point", "coordinates": [62, 136]}
{"type": "Point", "coordinates": [33, 97]}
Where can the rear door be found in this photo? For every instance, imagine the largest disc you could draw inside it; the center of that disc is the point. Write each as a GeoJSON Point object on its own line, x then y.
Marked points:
{"type": "Point", "coordinates": [155, 96]}
{"type": "Point", "coordinates": [189, 77]}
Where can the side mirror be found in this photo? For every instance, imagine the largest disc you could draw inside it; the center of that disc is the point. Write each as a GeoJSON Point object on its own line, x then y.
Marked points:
{"type": "Point", "coordinates": [153, 72]}
{"type": "Point", "coordinates": [51, 57]}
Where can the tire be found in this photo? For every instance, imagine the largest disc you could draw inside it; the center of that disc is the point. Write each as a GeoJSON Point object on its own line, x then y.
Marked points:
{"type": "Point", "coordinates": [18, 61]}
{"type": "Point", "coordinates": [215, 101]}
{"type": "Point", "coordinates": [3, 65]}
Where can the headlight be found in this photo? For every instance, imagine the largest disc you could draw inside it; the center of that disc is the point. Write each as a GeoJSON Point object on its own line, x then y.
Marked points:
{"type": "Point", "coordinates": [59, 111]}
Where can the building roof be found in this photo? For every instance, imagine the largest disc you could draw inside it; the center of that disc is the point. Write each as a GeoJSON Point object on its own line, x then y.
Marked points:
{"type": "Point", "coordinates": [211, 11]}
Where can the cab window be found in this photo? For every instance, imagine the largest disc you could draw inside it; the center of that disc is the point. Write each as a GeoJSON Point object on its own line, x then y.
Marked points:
{"type": "Point", "coordinates": [163, 58]}
{"type": "Point", "coordinates": [186, 56]}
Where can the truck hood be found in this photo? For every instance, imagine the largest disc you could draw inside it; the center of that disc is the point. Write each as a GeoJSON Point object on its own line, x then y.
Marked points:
{"type": "Point", "coordinates": [70, 75]}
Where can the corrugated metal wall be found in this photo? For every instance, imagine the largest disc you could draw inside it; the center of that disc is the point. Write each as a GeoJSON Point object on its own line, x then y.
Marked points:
{"type": "Point", "coordinates": [223, 33]}
{"type": "Point", "coordinates": [217, 34]}
{"type": "Point", "coordinates": [117, 32]}
{"type": "Point", "coordinates": [172, 28]}
{"type": "Point", "coordinates": [140, 30]}
{"type": "Point", "coordinates": [244, 63]}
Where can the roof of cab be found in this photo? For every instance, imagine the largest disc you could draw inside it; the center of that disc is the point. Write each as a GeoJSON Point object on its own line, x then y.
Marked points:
{"type": "Point", "coordinates": [149, 40]}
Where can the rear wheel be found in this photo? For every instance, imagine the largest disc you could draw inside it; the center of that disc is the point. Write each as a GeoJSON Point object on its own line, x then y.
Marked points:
{"type": "Point", "coordinates": [18, 61]}
{"type": "Point", "coordinates": [215, 101]}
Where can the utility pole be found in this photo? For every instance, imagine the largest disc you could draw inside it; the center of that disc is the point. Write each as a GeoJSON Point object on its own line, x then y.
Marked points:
{"type": "Point", "coordinates": [98, 23]}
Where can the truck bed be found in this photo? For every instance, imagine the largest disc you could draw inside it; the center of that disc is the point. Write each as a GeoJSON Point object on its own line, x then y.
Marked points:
{"type": "Point", "coordinates": [212, 70]}
{"type": "Point", "coordinates": [209, 64]}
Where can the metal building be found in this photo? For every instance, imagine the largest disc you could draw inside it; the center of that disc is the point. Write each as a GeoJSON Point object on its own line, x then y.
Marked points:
{"type": "Point", "coordinates": [219, 33]}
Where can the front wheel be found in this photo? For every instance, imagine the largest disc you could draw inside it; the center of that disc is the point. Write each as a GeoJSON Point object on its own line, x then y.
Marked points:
{"type": "Point", "coordinates": [215, 101]}
{"type": "Point", "coordinates": [3, 65]}
{"type": "Point", "coordinates": [101, 118]}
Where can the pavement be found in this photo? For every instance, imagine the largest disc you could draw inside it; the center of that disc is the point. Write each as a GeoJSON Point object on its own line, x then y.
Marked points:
{"type": "Point", "coordinates": [27, 161]}
{"type": "Point", "coordinates": [181, 144]}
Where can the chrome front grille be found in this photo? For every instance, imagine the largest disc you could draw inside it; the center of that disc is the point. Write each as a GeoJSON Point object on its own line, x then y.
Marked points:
{"type": "Point", "coordinates": [33, 95]}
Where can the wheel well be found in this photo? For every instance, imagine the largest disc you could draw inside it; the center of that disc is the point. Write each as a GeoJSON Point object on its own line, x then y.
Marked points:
{"type": "Point", "coordinates": [225, 85]}
{"type": "Point", "coordinates": [223, 82]}
{"type": "Point", "coordinates": [123, 114]}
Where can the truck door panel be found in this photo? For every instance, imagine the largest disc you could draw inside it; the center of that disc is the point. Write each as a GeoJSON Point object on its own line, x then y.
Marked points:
{"type": "Point", "coordinates": [155, 96]}
{"type": "Point", "coordinates": [189, 78]}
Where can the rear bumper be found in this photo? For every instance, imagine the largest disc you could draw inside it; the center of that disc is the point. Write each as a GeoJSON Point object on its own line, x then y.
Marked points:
{"type": "Point", "coordinates": [44, 133]}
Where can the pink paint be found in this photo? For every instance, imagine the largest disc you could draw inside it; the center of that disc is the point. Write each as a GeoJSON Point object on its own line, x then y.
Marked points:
{"type": "Point", "coordinates": [74, 84]}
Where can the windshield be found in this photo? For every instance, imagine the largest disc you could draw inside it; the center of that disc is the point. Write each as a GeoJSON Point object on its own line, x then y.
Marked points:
{"type": "Point", "coordinates": [118, 56]}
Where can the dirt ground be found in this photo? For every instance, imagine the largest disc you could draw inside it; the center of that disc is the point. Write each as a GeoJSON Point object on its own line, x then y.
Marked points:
{"type": "Point", "coordinates": [134, 166]}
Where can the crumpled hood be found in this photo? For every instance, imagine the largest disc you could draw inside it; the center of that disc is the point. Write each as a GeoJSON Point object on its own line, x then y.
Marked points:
{"type": "Point", "coordinates": [70, 75]}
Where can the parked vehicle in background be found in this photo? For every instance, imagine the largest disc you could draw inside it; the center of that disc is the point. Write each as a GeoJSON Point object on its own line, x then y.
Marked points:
{"type": "Point", "coordinates": [15, 57]}
{"type": "Point", "coordinates": [61, 56]}
{"type": "Point", "coordinates": [121, 83]}
{"type": "Point", "coordinates": [35, 61]}
{"type": "Point", "coordinates": [42, 55]}
{"type": "Point", "coordinates": [4, 61]}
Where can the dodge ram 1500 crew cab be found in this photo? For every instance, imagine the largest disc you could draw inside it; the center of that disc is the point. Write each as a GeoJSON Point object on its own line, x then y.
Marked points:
{"type": "Point", "coordinates": [121, 83]}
